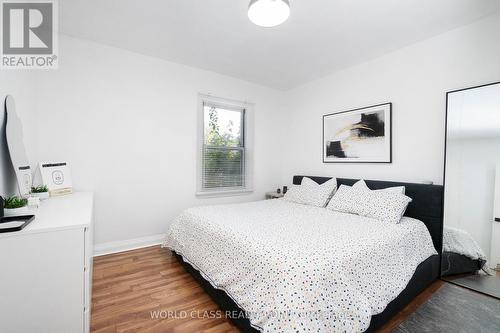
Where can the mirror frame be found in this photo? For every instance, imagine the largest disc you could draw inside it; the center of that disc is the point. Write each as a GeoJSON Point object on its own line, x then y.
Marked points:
{"type": "Point", "coordinates": [444, 168]}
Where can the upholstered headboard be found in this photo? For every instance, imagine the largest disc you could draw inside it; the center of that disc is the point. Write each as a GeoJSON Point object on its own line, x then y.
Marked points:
{"type": "Point", "coordinates": [427, 204]}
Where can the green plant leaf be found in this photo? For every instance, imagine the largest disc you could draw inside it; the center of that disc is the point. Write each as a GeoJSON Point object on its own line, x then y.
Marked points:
{"type": "Point", "coordinates": [14, 202]}
{"type": "Point", "coordinates": [39, 189]}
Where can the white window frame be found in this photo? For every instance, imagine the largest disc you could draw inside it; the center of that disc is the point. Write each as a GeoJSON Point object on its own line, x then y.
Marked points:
{"type": "Point", "coordinates": [247, 140]}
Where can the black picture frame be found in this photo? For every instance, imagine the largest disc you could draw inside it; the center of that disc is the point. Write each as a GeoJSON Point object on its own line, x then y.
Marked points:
{"type": "Point", "coordinates": [339, 160]}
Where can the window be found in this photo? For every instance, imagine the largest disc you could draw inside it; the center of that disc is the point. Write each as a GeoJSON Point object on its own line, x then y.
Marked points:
{"type": "Point", "coordinates": [224, 167]}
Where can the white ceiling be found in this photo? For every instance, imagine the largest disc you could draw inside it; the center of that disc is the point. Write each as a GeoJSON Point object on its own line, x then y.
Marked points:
{"type": "Point", "coordinates": [320, 37]}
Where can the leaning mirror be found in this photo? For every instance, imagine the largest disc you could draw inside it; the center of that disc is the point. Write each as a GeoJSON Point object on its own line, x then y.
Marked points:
{"type": "Point", "coordinates": [471, 240]}
{"type": "Point", "coordinates": [15, 143]}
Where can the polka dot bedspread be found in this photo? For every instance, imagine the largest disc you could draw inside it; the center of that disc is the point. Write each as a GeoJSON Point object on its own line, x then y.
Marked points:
{"type": "Point", "coordinates": [299, 268]}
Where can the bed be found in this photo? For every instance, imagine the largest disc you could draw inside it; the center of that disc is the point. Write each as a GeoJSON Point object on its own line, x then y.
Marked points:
{"type": "Point", "coordinates": [461, 253]}
{"type": "Point", "coordinates": [458, 264]}
{"type": "Point", "coordinates": [279, 266]}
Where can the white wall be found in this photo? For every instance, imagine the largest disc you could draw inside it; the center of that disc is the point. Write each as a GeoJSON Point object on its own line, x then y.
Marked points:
{"type": "Point", "coordinates": [127, 125]}
{"type": "Point", "coordinates": [415, 79]}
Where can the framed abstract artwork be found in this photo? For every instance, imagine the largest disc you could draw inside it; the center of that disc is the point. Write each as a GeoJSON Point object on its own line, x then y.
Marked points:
{"type": "Point", "coordinates": [358, 136]}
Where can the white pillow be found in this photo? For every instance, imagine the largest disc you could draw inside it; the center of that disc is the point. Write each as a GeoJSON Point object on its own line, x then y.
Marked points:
{"type": "Point", "coordinates": [362, 185]}
{"type": "Point", "coordinates": [347, 199]}
{"type": "Point", "coordinates": [385, 206]}
{"type": "Point", "coordinates": [311, 193]}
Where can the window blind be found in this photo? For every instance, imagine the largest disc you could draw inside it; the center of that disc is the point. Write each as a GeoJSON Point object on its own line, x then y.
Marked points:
{"type": "Point", "coordinates": [223, 159]}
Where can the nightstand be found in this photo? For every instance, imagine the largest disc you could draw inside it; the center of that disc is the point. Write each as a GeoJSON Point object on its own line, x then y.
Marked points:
{"type": "Point", "coordinates": [274, 195]}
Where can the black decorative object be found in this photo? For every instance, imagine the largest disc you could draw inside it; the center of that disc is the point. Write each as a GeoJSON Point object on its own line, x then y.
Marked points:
{"type": "Point", "coordinates": [278, 191]}
{"type": "Point", "coordinates": [1, 207]}
{"type": "Point", "coordinates": [23, 222]}
{"type": "Point", "coordinates": [285, 189]}
{"type": "Point", "coordinates": [358, 136]}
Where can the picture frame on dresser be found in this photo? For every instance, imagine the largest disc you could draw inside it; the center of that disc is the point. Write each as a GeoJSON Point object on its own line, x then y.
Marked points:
{"type": "Point", "coordinates": [362, 135]}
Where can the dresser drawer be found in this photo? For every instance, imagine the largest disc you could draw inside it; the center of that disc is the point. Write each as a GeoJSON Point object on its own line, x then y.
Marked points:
{"type": "Point", "coordinates": [43, 282]}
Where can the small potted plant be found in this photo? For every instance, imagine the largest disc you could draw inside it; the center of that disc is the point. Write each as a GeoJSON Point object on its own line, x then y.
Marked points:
{"type": "Point", "coordinates": [41, 192]}
{"type": "Point", "coordinates": [15, 206]}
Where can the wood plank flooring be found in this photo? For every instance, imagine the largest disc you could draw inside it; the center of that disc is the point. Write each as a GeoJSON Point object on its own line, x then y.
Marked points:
{"type": "Point", "coordinates": [127, 286]}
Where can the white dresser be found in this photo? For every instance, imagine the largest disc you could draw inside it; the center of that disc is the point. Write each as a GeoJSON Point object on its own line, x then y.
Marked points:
{"type": "Point", "coordinates": [46, 269]}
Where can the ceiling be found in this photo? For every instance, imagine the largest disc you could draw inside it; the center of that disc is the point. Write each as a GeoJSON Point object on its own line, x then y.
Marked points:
{"type": "Point", "coordinates": [321, 36]}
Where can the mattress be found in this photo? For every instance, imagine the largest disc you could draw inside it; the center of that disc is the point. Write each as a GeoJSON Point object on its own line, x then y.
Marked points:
{"type": "Point", "coordinates": [299, 268]}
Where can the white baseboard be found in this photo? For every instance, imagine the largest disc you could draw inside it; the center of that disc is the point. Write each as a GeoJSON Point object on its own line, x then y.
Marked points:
{"type": "Point", "coordinates": [127, 245]}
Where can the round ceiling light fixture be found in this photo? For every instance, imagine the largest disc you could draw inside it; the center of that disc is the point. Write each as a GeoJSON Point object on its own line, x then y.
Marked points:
{"type": "Point", "coordinates": [268, 13]}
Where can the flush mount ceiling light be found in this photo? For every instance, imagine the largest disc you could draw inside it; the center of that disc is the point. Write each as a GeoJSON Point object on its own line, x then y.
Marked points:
{"type": "Point", "coordinates": [268, 13]}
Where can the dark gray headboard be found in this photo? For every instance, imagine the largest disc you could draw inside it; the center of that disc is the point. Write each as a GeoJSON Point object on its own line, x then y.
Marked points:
{"type": "Point", "coordinates": [427, 204]}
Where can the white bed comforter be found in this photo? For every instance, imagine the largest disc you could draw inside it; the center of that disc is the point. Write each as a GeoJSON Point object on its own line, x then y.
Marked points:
{"type": "Point", "coordinates": [461, 242]}
{"type": "Point", "coordinates": [297, 268]}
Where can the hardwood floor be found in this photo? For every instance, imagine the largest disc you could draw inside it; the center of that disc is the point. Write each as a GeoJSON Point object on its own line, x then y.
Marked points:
{"type": "Point", "coordinates": [129, 286]}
